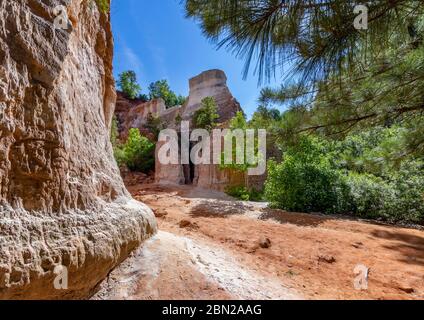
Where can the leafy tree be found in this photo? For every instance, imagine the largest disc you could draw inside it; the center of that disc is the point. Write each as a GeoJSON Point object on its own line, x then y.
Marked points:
{"type": "Point", "coordinates": [128, 84]}
{"type": "Point", "coordinates": [207, 116]}
{"type": "Point", "coordinates": [239, 121]}
{"type": "Point", "coordinates": [319, 36]}
{"type": "Point", "coordinates": [161, 89]}
{"type": "Point", "coordinates": [144, 97]}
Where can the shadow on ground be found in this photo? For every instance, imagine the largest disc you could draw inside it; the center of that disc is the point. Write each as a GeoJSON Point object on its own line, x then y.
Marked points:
{"type": "Point", "coordinates": [410, 246]}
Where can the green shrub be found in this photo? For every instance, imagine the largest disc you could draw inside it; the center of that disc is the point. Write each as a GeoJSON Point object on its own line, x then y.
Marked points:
{"type": "Point", "coordinates": [312, 179]}
{"type": "Point", "coordinates": [103, 5]}
{"type": "Point", "coordinates": [206, 117]}
{"type": "Point", "coordinates": [408, 182]}
{"type": "Point", "coordinates": [138, 153]}
{"type": "Point", "coordinates": [307, 187]}
{"type": "Point", "coordinates": [305, 181]}
{"type": "Point", "coordinates": [244, 194]}
{"type": "Point", "coordinates": [370, 196]}
{"type": "Point", "coordinates": [154, 125]}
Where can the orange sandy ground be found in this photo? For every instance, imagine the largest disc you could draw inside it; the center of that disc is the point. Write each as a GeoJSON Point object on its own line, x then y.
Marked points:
{"type": "Point", "coordinates": [394, 255]}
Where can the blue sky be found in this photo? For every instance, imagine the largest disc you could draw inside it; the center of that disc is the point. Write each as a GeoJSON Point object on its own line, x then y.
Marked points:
{"type": "Point", "coordinates": [153, 38]}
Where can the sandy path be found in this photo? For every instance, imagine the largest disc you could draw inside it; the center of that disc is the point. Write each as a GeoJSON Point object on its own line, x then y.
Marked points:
{"type": "Point", "coordinates": [217, 255]}
{"type": "Point", "coordinates": [175, 267]}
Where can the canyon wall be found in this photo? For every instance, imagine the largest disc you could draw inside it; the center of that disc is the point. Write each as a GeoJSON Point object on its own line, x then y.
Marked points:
{"type": "Point", "coordinates": [62, 200]}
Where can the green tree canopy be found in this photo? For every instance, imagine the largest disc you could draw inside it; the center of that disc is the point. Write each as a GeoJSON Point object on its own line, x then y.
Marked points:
{"type": "Point", "coordinates": [128, 84]}
{"type": "Point", "coordinates": [161, 89]}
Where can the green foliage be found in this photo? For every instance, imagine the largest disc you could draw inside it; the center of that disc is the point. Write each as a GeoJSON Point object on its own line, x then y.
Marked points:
{"type": "Point", "coordinates": [313, 38]}
{"type": "Point", "coordinates": [206, 117]}
{"type": "Point", "coordinates": [137, 153]}
{"type": "Point", "coordinates": [244, 194]}
{"type": "Point", "coordinates": [306, 181]}
{"type": "Point", "coordinates": [128, 84]}
{"type": "Point", "coordinates": [114, 132]}
{"type": "Point", "coordinates": [370, 196]}
{"type": "Point", "coordinates": [144, 97]}
{"type": "Point", "coordinates": [345, 79]}
{"type": "Point", "coordinates": [178, 119]}
{"type": "Point", "coordinates": [238, 122]}
{"type": "Point", "coordinates": [345, 177]}
{"type": "Point", "coordinates": [154, 125]}
{"type": "Point", "coordinates": [103, 5]}
{"type": "Point", "coordinates": [161, 89]}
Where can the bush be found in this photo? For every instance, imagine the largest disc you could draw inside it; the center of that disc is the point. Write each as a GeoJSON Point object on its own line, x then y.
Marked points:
{"type": "Point", "coordinates": [370, 196]}
{"type": "Point", "coordinates": [244, 194]}
{"type": "Point", "coordinates": [306, 181]}
{"type": "Point", "coordinates": [310, 179]}
{"type": "Point", "coordinates": [307, 187]}
{"type": "Point", "coordinates": [138, 153]}
{"type": "Point", "coordinates": [408, 182]}
{"type": "Point", "coordinates": [103, 5]}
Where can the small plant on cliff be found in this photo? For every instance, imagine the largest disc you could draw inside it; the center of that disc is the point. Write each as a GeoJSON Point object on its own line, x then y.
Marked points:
{"type": "Point", "coordinates": [128, 84]}
{"type": "Point", "coordinates": [138, 153]}
{"type": "Point", "coordinates": [178, 120]}
{"type": "Point", "coordinates": [154, 125]}
{"type": "Point", "coordinates": [114, 132]}
{"type": "Point", "coordinates": [207, 116]}
{"type": "Point", "coordinates": [103, 5]}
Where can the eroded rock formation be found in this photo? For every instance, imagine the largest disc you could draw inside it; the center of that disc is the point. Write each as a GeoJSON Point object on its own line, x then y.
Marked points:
{"type": "Point", "coordinates": [62, 200]}
{"type": "Point", "coordinates": [212, 83]}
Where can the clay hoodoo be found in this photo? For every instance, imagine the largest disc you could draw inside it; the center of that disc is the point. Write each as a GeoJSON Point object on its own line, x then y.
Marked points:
{"type": "Point", "coordinates": [62, 200]}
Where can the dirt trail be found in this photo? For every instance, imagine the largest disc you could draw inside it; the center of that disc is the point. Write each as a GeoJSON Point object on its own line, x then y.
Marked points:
{"type": "Point", "coordinates": [209, 247]}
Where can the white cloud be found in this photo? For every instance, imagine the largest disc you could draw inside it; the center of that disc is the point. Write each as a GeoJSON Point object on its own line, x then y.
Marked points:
{"type": "Point", "coordinates": [132, 61]}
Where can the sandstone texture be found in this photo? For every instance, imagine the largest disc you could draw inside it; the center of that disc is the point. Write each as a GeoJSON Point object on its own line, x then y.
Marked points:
{"type": "Point", "coordinates": [62, 200]}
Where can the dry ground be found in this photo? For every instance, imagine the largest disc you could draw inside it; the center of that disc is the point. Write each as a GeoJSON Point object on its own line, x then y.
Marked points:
{"type": "Point", "coordinates": [209, 247]}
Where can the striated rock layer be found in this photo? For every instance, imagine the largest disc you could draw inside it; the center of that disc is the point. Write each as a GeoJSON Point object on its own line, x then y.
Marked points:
{"type": "Point", "coordinates": [62, 200]}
